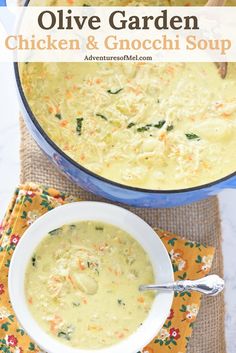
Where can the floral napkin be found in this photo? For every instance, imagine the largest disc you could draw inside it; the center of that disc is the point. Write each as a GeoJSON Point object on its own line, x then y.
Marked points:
{"type": "Point", "coordinates": [190, 260]}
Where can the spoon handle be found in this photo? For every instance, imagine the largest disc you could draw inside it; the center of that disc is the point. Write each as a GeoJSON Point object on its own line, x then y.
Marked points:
{"type": "Point", "coordinates": [209, 285]}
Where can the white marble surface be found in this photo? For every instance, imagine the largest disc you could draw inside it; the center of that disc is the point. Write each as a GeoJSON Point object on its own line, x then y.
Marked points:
{"type": "Point", "coordinates": [9, 178]}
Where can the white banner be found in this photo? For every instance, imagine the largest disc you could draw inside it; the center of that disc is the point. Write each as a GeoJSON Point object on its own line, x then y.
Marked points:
{"type": "Point", "coordinates": [72, 34]}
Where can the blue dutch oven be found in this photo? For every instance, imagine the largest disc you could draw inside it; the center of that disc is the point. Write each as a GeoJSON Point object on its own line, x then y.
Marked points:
{"type": "Point", "coordinates": [108, 189]}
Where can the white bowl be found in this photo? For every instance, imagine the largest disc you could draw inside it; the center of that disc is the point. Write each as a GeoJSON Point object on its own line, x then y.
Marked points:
{"type": "Point", "coordinates": [107, 213]}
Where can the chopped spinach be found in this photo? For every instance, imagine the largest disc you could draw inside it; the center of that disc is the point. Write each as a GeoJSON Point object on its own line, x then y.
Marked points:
{"type": "Point", "coordinates": [99, 228]}
{"type": "Point", "coordinates": [93, 266]}
{"type": "Point", "coordinates": [33, 260]}
{"type": "Point", "coordinates": [115, 92]}
{"type": "Point", "coordinates": [130, 125]}
{"type": "Point", "coordinates": [86, 5]}
{"type": "Point", "coordinates": [170, 127]}
{"type": "Point", "coordinates": [54, 231]}
{"type": "Point", "coordinates": [79, 122]}
{"type": "Point", "coordinates": [148, 126]}
{"type": "Point", "coordinates": [192, 136]}
{"type": "Point", "coordinates": [120, 302]}
{"type": "Point", "coordinates": [76, 304]}
{"type": "Point", "coordinates": [96, 270]}
{"type": "Point", "coordinates": [58, 116]}
{"type": "Point", "coordinates": [144, 128]}
{"type": "Point", "coordinates": [102, 116]}
{"type": "Point", "coordinates": [160, 124]}
{"type": "Point", "coordinates": [64, 335]}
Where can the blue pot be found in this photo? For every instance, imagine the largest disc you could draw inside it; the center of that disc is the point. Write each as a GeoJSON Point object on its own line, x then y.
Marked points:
{"type": "Point", "coordinates": [104, 187]}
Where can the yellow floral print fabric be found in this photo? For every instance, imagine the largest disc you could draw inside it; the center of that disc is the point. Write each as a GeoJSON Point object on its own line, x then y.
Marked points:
{"type": "Point", "coordinates": [190, 260]}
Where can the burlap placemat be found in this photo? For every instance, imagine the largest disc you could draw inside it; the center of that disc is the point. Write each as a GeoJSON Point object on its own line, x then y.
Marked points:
{"type": "Point", "coordinates": [199, 221]}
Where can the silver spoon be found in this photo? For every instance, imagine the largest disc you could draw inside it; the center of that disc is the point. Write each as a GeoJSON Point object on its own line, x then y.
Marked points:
{"type": "Point", "coordinates": [209, 285]}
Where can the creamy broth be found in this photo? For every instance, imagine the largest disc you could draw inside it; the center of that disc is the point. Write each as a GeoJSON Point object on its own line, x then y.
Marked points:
{"type": "Point", "coordinates": [82, 285]}
{"type": "Point", "coordinates": [154, 126]}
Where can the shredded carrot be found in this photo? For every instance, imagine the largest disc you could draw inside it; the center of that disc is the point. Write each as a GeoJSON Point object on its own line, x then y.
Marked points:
{"type": "Point", "coordinates": [189, 158]}
{"type": "Point", "coordinates": [64, 123]}
{"type": "Point", "coordinates": [137, 90]}
{"type": "Point", "coordinates": [133, 110]}
{"type": "Point", "coordinates": [68, 77]}
{"type": "Point", "coordinates": [68, 94]}
{"type": "Point", "coordinates": [54, 323]}
{"type": "Point", "coordinates": [56, 279]}
{"type": "Point", "coordinates": [117, 273]}
{"type": "Point", "coordinates": [120, 335]}
{"type": "Point", "coordinates": [140, 64]}
{"type": "Point", "coordinates": [141, 299]}
{"type": "Point", "coordinates": [90, 82]}
{"type": "Point", "coordinates": [30, 300]}
{"type": "Point", "coordinates": [205, 164]}
{"type": "Point", "coordinates": [95, 328]}
{"type": "Point", "coordinates": [81, 265]}
{"type": "Point", "coordinates": [66, 147]}
{"type": "Point", "coordinates": [226, 115]}
{"type": "Point", "coordinates": [72, 281]}
{"type": "Point", "coordinates": [85, 301]}
{"type": "Point", "coordinates": [170, 69]}
{"type": "Point", "coordinates": [163, 136]}
{"type": "Point", "coordinates": [102, 247]}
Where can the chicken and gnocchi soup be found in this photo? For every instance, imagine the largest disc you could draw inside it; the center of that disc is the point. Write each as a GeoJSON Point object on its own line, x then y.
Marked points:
{"type": "Point", "coordinates": [82, 284]}
{"type": "Point", "coordinates": [148, 125]}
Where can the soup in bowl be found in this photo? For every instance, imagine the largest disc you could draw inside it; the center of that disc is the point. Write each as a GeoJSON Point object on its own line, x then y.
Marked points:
{"type": "Point", "coordinates": [75, 275]}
